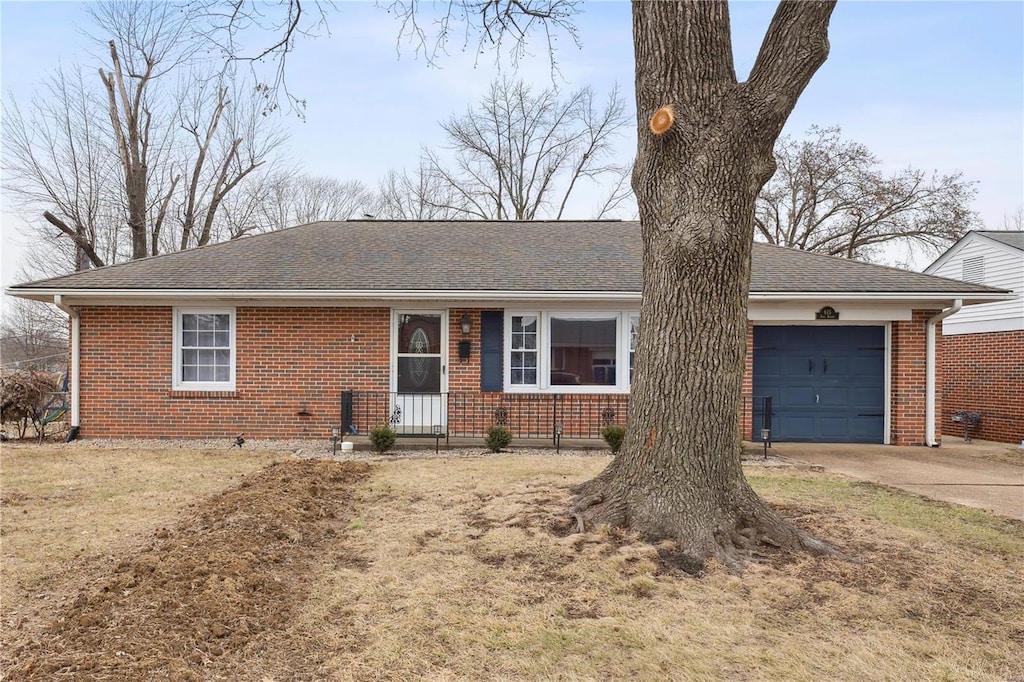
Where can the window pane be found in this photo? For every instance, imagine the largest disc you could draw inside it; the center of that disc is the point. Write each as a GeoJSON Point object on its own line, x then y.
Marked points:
{"type": "Point", "coordinates": [205, 350]}
{"type": "Point", "coordinates": [419, 374]}
{"type": "Point", "coordinates": [419, 334]}
{"type": "Point", "coordinates": [583, 352]}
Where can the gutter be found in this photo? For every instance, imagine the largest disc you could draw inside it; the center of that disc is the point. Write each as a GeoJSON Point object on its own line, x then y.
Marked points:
{"type": "Point", "coordinates": [929, 382]}
{"type": "Point", "coordinates": [73, 371]}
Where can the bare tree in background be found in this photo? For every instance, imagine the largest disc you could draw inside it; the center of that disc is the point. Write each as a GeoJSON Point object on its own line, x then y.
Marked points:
{"type": "Point", "coordinates": [519, 155]}
{"type": "Point", "coordinates": [33, 335]}
{"type": "Point", "coordinates": [57, 157]}
{"type": "Point", "coordinates": [282, 199]}
{"type": "Point", "coordinates": [829, 195]}
{"type": "Point", "coordinates": [138, 160]}
{"type": "Point", "coordinates": [420, 195]}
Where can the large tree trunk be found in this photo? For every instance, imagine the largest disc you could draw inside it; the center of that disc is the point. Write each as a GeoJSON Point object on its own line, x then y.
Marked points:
{"type": "Point", "coordinates": [679, 474]}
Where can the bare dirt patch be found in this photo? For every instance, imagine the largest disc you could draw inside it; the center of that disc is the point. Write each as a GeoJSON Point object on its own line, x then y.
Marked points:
{"type": "Point", "coordinates": [212, 595]}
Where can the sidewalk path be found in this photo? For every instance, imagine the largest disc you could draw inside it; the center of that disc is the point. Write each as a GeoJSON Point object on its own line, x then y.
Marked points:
{"type": "Point", "coordinates": [956, 473]}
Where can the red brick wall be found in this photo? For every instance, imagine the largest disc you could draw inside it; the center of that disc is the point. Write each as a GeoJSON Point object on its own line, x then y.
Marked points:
{"type": "Point", "coordinates": [984, 373]}
{"type": "Point", "coordinates": [291, 367]}
{"type": "Point", "coordinates": [908, 379]}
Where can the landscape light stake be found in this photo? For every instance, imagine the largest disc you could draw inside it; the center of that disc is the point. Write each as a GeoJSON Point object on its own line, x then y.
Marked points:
{"type": "Point", "coordinates": [558, 437]}
{"type": "Point", "coordinates": [335, 433]}
{"type": "Point", "coordinates": [437, 438]}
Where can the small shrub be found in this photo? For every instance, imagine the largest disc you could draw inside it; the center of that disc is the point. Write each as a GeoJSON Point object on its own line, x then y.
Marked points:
{"type": "Point", "coordinates": [383, 438]}
{"type": "Point", "coordinates": [498, 437]}
{"type": "Point", "coordinates": [613, 435]}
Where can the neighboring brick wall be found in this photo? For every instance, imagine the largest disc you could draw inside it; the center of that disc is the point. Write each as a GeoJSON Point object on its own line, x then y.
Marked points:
{"type": "Point", "coordinates": [984, 373]}
{"type": "Point", "coordinates": [909, 368]}
{"type": "Point", "coordinates": [291, 367]}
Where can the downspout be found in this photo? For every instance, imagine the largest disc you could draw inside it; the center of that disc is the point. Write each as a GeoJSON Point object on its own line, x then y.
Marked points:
{"type": "Point", "coordinates": [929, 381]}
{"type": "Point", "coordinates": [73, 370]}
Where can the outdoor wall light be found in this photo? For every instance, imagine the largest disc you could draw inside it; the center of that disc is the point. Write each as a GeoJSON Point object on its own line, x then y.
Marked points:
{"type": "Point", "coordinates": [467, 324]}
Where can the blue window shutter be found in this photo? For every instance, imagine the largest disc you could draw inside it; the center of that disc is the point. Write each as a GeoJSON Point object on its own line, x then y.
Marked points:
{"type": "Point", "coordinates": [491, 349]}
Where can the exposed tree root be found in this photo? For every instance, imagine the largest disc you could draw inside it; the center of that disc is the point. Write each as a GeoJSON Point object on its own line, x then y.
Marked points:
{"type": "Point", "coordinates": [739, 529]}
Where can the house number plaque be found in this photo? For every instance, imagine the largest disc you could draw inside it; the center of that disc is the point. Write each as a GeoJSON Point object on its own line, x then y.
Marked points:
{"type": "Point", "coordinates": [827, 313]}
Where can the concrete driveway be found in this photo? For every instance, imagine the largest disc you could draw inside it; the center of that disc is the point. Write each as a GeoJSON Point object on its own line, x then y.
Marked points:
{"type": "Point", "coordinates": [957, 472]}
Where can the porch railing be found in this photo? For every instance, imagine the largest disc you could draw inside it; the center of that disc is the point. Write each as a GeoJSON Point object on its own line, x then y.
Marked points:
{"type": "Point", "coordinates": [526, 415]}
{"type": "Point", "coordinates": [470, 414]}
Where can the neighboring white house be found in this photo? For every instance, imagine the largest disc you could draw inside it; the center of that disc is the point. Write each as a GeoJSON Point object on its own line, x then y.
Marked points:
{"type": "Point", "coordinates": [983, 354]}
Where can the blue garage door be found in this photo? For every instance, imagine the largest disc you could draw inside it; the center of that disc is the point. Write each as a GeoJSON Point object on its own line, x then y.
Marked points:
{"type": "Point", "coordinates": [827, 383]}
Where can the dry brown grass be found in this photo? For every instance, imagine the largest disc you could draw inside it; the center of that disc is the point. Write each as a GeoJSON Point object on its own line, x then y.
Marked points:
{"type": "Point", "coordinates": [460, 580]}
{"type": "Point", "coordinates": [69, 511]}
{"type": "Point", "coordinates": [449, 569]}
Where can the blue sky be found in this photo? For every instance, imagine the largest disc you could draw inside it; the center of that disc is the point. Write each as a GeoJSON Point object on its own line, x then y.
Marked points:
{"type": "Point", "coordinates": [934, 85]}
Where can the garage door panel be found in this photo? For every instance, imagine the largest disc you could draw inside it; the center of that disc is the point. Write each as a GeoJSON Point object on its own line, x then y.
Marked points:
{"type": "Point", "coordinates": [833, 396]}
{"type": "Point", "coordinates": [795, 427]}
{"type": "Point", "coordinates": [796, 365]}
{"type": "Point", "coordinates": [796, 396]}
{"type": "Point", "coordinates": [869, 367]}
{"type": "Point", "coordinates": [867, 397]}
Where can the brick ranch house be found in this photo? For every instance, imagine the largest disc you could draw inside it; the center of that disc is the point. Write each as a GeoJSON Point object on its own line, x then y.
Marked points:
{"type": "Point", "coordinates": [983, 346]}
{"type": "Point", "coordinates": [454, 326]}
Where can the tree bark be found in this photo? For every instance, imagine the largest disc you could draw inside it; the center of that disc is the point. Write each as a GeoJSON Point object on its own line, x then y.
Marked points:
{"type": "Point", "coordinates": [679, 474]}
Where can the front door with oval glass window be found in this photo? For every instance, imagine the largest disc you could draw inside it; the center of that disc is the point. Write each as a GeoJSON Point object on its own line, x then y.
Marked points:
{"type": "Point", "coordinates": [419, 367]}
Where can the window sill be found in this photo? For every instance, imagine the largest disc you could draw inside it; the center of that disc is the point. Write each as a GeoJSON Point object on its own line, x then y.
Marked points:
{"type": "Point", "coordinates": [229, 394]}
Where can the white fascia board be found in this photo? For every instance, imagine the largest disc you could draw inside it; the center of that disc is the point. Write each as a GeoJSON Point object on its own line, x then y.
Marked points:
{"type": "Point", "coordinates": [367, 296]}
{"type": "Point", "coordinates": [910, 298]}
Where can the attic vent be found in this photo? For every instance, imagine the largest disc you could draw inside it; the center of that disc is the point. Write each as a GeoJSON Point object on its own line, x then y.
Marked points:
{"type": "Point", "coordinates": [974, 270]}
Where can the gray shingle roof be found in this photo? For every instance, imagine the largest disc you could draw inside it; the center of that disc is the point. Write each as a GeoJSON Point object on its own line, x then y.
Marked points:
{"type": "Point", "coordinates": [540, 256]}
{"type": "Point", "coordinates": [1014, 239]}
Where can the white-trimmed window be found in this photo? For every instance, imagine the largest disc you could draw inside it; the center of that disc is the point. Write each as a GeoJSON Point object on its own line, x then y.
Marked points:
{"type": "Point", "coordinates": [523, 365]}
{"type": "Point", "coordinates": [204, 349]}
{"type": "Point", "coordinates": [569, 351]}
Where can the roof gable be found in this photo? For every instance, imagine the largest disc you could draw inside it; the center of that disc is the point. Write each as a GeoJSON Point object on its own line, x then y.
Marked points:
{"type": "Point", "coordinates": [1004, 240]}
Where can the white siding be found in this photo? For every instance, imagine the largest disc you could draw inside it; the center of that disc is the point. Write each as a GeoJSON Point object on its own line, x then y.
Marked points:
{"type": "Point", "coordinates": [1004, 269]}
